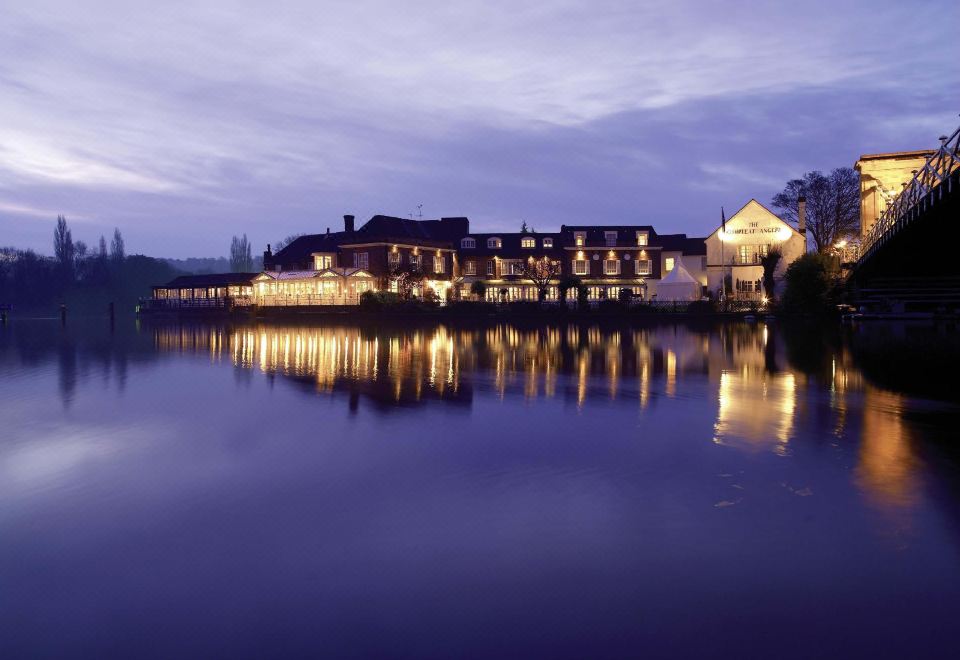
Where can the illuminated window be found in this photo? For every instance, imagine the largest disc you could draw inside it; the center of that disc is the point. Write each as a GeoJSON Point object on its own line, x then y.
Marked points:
{"type": "Point", "coordinates": [516, 268]}
{"type": "Point", "coordinates": [528, 242]}
{"type": "Point", "coordinates": [470, 268]}
{"type": "Point", "coordinates": [642, 238]}
{"type": "Point", "coordinates": [415, 261]}
{"type": "Point", "coordinates": [548, 243]}
{"type": "Point", "coordinates": [611, 267]}
{"type": "Point", "coordinates": [745, 254]}
{"type": "Point", "coordinates": [393, 259]}
{"type": "Point", "coordinates": [438, 264]}
{"type": "Point", "coordinates": [361, 260]}
{"type": "Point", "coordinates": [610, 238]}
{"type": "Point", "coordinates": [579, 238]}
{"type": "Point", "coordinates": [493, 243]}
{"type": "Point", "coordinates": [321, 261]}
{"type": "Point", "coordinates": [468, 243]}
{"type": "Point", "coordinates": [581, 267]}
{"type": "Point", "coordinates": [643, 266]}
{"type": "Point", "coordinates": [668, 264]}
{"type": "Point", "coordinates": [491, 268]}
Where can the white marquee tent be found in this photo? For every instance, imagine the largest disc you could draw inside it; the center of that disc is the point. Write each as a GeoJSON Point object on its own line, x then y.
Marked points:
{"type": "Point", "coordinates": [678, 284]}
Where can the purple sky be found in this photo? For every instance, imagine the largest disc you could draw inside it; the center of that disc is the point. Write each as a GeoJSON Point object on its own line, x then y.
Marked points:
{"type": "Point", "coordinates": [183, 126]}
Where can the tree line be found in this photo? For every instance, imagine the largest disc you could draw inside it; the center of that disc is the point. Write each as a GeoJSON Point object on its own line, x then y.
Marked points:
{"type": "Point", "coordinates": [76, 275]}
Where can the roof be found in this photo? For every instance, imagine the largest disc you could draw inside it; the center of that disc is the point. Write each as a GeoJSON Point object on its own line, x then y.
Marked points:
{"type": "Point", "coordinates": [390, 229]}
{"type": "Point", "coordinates": [920, 153]}
{"type": "Point", "coordinates": [682, 243]}
{"type": "Point", "coordinates": [510, 247]}
{"type": "Point", "coordinates": [208, 280]}
{"type": "Point", "coordinates": [302, 248]}
{"type": "Point", "coordinates": [310, 274]}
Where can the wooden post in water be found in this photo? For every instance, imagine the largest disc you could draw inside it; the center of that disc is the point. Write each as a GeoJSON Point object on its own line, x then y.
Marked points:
{"type": "Point", "coordinates": [63, 314]}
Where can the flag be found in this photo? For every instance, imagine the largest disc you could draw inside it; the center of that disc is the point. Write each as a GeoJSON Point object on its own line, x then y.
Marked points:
{"type": "Point", "coordinates": [723, 220]}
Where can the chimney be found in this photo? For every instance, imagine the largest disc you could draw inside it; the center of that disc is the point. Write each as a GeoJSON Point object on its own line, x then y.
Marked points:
{"type": "Point", "coordinates": [802, 215]}
{"type": "Point", "coordinates": [348, 224]}
{"type": "Point", "coordinates": [267, 258]}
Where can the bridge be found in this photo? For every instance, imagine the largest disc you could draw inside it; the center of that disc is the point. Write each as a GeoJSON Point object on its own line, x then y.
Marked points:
{"type": "Point", "coordinates": [910, 259]}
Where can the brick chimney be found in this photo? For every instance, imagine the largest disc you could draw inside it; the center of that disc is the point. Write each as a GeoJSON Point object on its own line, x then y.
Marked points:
{"type": "Point", "coordinates": [267, 258]}
{"type": "Point", "coordinates": [348, 224]}
{"type": "Point", "coordinates": [802, 215]}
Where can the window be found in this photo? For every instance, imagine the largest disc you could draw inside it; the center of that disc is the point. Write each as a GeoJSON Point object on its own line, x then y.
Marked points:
{"type": "Point", "coordinates": [491, 268]}
{"type": "Point", "coordinates": [579, 238]}
{"type": "Point", "coordinates": [470, 267]}
{"type": "Point", "coordinates": [438, 264]}
{"type": "Point", "coordinates": [415, 261]}
{"type": "Point", "coordinates": [321, 261]}
{"type": "Point", "coordinates": [361, 260]}
{"type": "Point", "coordinates": [393, 259]}
{"type": "Point", "coordinates": [745, 254]}
{"type": "Point", "coordinates": [643, 238]}
{"type": "Point", "coordinates": [610, 238]}
{"type": "Point", "coordinates": [668, 264]}
{"type": "Point", "coordinates": [611, 266]}
{"type": "Point", "coordinates": [528, 242]}
{"type": "Point", "coordinates": [581, 267]}
{"type": "Point", "coordinates": [763, 250]}
{"type": "Point", "coordinates": [548, 243]}
{"type": "Point", "coordinates": [643, 266]}
{"type": "Point", "coordinates": [468, 243]}
{"type": "Point", "coordinates": [493, 243]}
{"type": "Point", "coordinates": [516, 268]}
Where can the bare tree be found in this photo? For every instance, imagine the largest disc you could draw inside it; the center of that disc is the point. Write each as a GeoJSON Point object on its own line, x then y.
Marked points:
{"type": "Point", "coordinates": [279, 245]}
{"type": "Point", "coordinates": [541, 272]}
{"type": "Point", "coordinates": [102, 249]}
{"type": "Point", "coordinates": [406, 278]}
{"type": "Point", "coordinates": [833, 205]}
{"type": "Point", "coordinates": [241, 257]}
{"type": "Point", "coordinates": [63, 248]}
{"type": "Point", "coordinates": [117, 252]}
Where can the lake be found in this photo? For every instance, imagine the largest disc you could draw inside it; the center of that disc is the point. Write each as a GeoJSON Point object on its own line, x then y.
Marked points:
{"type": "Point", "coordinates": [435, 491]}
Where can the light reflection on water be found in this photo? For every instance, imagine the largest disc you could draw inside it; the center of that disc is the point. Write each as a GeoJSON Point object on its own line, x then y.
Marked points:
{"type": "Point", "coordinates": [581, 490]}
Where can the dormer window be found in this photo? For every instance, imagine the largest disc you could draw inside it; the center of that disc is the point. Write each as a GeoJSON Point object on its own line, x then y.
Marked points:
{"type": "Point", "coordinates": [610, 237]}
{"type": "Point", "coordinates": [468, 243]}
{"type": "Point", "coordinates": [643, 238]}
{"type": "Point", "coordinates": [527, 242]}
{"type": "Point", "coordinates": [548, 243]}
{"type": "Point", "coordinates": [579, 238]}
{"type": "Point", "coordinates": [493, 243]}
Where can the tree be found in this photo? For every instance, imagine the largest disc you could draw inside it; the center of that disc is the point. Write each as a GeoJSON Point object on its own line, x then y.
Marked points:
{"type": "Point", "coordinates": [63, 249]}
{"type": "Point", "coordinates": [116, 247]}
{"type": "Point", "coordinates": [523, 228]}
{"type": "Point", "coordinates": [770, 261]}
{"type": "Point", "coordinates": [102, 250]}
{"type": "Point", "coordinates": [540, 272]}
{"type": "Point", "coordinates": [833, 205]}
{"type": "Point", "coordinates": [241, 257]}
{"type": "Point", "coordinates": [282, 243]}
{"type": "Point", "coordinates": [479, 289]}
{"type": "Point", "coordinates": [807, 284]}
{"type": "Point", "coordinates": [406, 278]}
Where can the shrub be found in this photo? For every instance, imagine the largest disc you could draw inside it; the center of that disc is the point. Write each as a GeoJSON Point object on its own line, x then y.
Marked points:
{"type": "Point", "coordinates": [479, 289]}
{"type": "Point", "coordinates": [807, 285]}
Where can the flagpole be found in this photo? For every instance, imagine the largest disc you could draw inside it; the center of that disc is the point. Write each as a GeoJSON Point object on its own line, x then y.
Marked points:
{"type": "Point", "coordinates": [723, 261]}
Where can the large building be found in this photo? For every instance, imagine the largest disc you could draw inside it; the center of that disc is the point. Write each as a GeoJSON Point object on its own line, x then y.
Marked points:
{"type": "Point", "coordinates": [882, 177]}
{"type": "Point", "coordinates": [734, 250]}
{"type": "Point", "coordinates": [606, 258]}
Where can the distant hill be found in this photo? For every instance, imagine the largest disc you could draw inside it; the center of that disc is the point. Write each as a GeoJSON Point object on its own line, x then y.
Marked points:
{"type": "Point", "coordinates": [202, 265]}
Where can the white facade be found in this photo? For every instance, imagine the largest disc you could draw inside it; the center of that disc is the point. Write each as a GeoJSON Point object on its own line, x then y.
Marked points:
{"type": "Point", "coordinates": [736, 250]}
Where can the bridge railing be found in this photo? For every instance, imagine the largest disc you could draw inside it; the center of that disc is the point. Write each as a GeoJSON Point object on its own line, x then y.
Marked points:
{"type": "Point", "coordinates": [935, 171]}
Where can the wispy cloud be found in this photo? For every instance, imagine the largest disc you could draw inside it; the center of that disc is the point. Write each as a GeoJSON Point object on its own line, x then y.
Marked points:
{"type": "Point", "coordinates": [274, 114]}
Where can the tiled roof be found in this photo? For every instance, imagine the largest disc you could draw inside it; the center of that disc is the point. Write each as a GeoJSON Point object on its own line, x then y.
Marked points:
{"type": "Point", "coordinates": [510, 245]}
{"type": "Point", "coordinates": [208, 280]}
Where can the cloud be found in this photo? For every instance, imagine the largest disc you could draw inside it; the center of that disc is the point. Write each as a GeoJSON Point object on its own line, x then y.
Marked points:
{"type": "Point", "coordinates": [278, 115]}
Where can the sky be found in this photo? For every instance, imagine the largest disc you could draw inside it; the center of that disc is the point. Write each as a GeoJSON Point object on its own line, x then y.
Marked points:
{"type": "Point", "coordinates": [184, 123]}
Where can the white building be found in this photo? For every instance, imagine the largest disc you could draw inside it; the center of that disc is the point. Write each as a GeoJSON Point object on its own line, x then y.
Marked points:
{"type": "Point", "coordinates": [736, 250]}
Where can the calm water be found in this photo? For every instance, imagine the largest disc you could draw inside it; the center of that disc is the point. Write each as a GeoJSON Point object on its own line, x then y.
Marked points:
{"type": "Point", "coordinates": [670, 491]}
